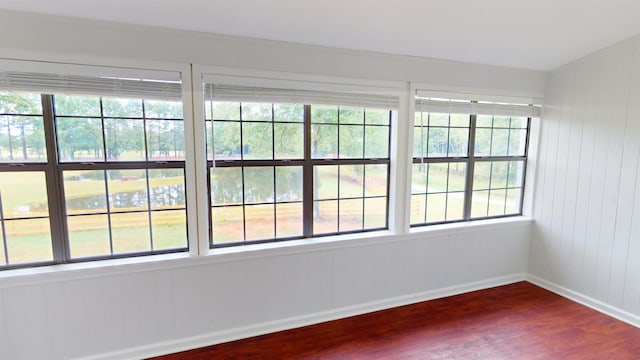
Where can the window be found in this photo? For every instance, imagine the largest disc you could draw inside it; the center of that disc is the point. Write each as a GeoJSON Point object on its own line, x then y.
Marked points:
{"type": "Point", "coordinates": [90, 168]}
{"type": "Point", "coordinates": [294, 169]}
{"type": "Point", "coordinates": [469, 159]}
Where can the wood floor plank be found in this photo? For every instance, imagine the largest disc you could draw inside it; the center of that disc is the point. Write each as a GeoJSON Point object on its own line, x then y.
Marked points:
{"type": "Point", "coordinates": [518, 321]}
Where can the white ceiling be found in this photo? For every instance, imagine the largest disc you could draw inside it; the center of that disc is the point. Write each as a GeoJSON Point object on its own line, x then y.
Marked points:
{"type": "Point", "coordinates": [531, 34]}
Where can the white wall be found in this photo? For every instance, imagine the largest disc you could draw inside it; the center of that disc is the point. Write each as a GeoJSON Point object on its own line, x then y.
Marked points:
{"type": "Point", "coordinates": [586, 237]}
{"type": "Point", "coordinates": [154, 307]}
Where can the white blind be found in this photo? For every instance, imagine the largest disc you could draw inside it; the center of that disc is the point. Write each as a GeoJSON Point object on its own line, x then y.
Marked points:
{"type": "Point", "coordinates": [465, 103]}
{"type": "Point", "coordinates": [91, 80]}
{"type": "Point", "coordinates": [228, 88]}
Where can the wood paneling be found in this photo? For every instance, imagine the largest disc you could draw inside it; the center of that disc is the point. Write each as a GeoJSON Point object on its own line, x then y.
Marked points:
{"type": "Point", "coordinates": [517, 321]}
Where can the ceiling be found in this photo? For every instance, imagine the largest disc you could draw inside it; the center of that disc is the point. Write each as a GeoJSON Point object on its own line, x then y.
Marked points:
{"type": "Point", "coordinates": [529, 34]}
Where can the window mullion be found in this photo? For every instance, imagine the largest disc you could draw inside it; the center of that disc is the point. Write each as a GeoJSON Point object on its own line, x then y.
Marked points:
{"type": "Point", "coordinates": [468, 191]}
{"type": "Point", "coordinates": [307, 174]}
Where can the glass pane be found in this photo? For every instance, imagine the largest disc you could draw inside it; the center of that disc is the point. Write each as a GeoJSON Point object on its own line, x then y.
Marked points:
{"type": "Point", "coordinates": [458, 142]}
{"type": "Point", "coordinates": [288, 112]}
{"type": "Point", "coordinates": [130, 232]}
{"type": "Point", "coordinates": [72, 105]}
{"type": "Point", "coordinates": [22, 139]}
{"type": "Point", "coordinates": [375, 180]}
{"type": "Point", "coordinates": [499, 174]}
{"type": "Point", "coordinates": [218, 110]}
{"type": "Point", "coordinates": [259, 222]}
{"type": "Point", "coordinates": [517, 142]}
{"type": "Point", "coordinates": [23, 194]}
{"type": "Point", "coordinates": [324, 114]}
{"type": "Point", "coordinates": [226, 185]}
{"type": "Point", "coordinates": [438, 142]}
{"type": "Point", "coordinates": [162, 109]}
{"type": "Point", "coordinates": [513, 201]}
{"type": "Point", "coordinates": [501, 121]}
{"type": "Point", "coordinates": [127, 190]}
{"type": "Point", "coordinates": [124, 139]}
{"type": "Point", "coordinates": [419, 177]}
{"type": "Point", "coordinates": [457, 176]}
{"type": "Point", "coordinates": [481, 175]}
{"type": "Point", "coordinates": [483, 142]}
{"type": "Point", "coordinates": [209, 138]}
{"type": "Point", "coordinates": [85, 192]}
{"type": "Point", "coordinates": [497, 201]}
{"type": "Point", "coordinates": [376, 142]}
{"type": "Point", "coordinates": [226, 140]}
{"type": "Point", "coordinates": [288, 220]}
{"type": "Point", "coordinates": [437, 180]}
{"type": "Point", "coordinates": [165, 139]}
{"type": "Point", "coordinates": [351, 141]}
{"type": "Point", "coordinates": [519, 122]}
{"type": "Point", "coordinates": [125, 108]}
{"type": "Point", "coordinates": [79, 139]}
{"type": "Point", "coordinates": [227, 224]}
{"type": "Point", "coordinates": [3, 261]}
{"type": "Point", "coordinates": [419, 142]}
{"type": "Point", "coordinates": [88, 236]}
{"type": "Point", "coordinates": [325, 217]}
{"type": "Point", "coordinates": [20, 103]}
{"type": "Point", "coordinates": [258, 184]}
{"type": "Point", "coordinates": [169, 229]}
{"type": "Point", "coordinates": [351, 181]}
{"type": "Point", "coordinates": [351, 115]}
{"type": "Point", "coordinates": [418, 207]}
{"type": "Point", "coordinates": [420, 118]}
{"type": "Point", "coordinates": [375, 213]}
{"type": "Point", "coordinates": [500, 142]}
{"type": "Point", "coordinates": [351, 212]}
{"type": "Point", "coordinates": [256, 112]}
{"type": "Point", "coordinates": [436, 204]}
{"type": "Point", "coordinates": [516, 173]}
{"type": "Point", "coordinates": [485, 121]}
{"type": "Point", "coordinates": [28, 240]}
{"type": "Point", "coordinates": [289, 183]}
{"type": "Point", "coordinates": [436, 119]}
{"type": "Point", "coordinates": [289, 141]}
{"type": "Point", "coordinates": [257, 141]}
{"type": "Point", "coordinates": [377, 116]}
{"type": "Point", "coordinates": [455, 206]}
{"type": "Point", "coordinates": [166, 188]}
{"type": "Point", "coordinates": [324, 141]}
{"type": "Point", "coordinates": [325, 182]}
{"type": "Point", "coordinates": [460, 120]}
{"type": "Point", "coordinates": [479, 203]}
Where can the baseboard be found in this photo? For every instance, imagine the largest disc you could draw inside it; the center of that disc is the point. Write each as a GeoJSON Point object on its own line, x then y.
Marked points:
{"type": "Point", "coordinates": [304, 320]}
{"type": "Point", "coordinates": [590, 302]}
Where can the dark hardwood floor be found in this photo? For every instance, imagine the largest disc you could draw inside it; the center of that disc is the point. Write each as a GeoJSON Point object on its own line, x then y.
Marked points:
{"type": "Point", "coordinates": [518, 321]}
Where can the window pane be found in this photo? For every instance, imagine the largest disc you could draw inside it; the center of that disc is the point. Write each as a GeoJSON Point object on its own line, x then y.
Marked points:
{"type": "Point", "coordinates": [519, 122]}
{"type": "Point", "coordinates": [481, 175]}
{"type": "Point", "coordinates": [375, 180]}
{"type": "Point", "coordinates": [516, 174]}
{"type": "Point", "coordinates": [130, 232]}
{"type": "Point", "coordinates": [79, 139]}
{"type": "Point", "coordinates": [20, 103]}
{"type": "Point", "coordinates": [217, 110]}
{"type": "Point", "coordinates": [226, 141]}
{"type": "Point", "coordinates": [377, 116]}
{"type": "Point", "coordinates": [127, 190]}
{"type": "Point", "coordinates": [436, 119]}
{"type": "Point", "coordinates": [165, 139]}
{"type": "Point", "coordinates": [419, 142]}
{"type": "Point", "coordinates": [289, 141]}
{"type": "Point", "coordinates": [324, 141]}
{"type": "Point", "coordinates": [437, 142]}
{"type": "Point", "coordinates": [124, 140]}
{"type": "Point", "coordinates": [288, 220]}
{"type": "Point", "coordinates": [289, 183]}
{"type": "Point", "coordinates": [259, 222]}
{"type": "Point", "coordinates": [226, 186]}
{"type": "Point", "coordinates": [325, 182]}
{"type": "Point", "coordinates": [436, 204]}
{"type": "Point", "coordinates": [88, 236]}
{"type": "Point", "coordinates": [351, 115]}
{"type": "Point", "coordinates": [22, 139]}
{"type": "Point", "coordinates": [500, 142]}
{"type": "Point", "coordinates": [501, 121]}
{"type": "Point", "coordinates": [162, 109]}
{"type": "Point", "coordinates": [376, 142]}
{"type": "Point", "coordinates": [418, 207]}
{"type": "Point", "coordinates": [485, 121]}
{"type": "Point", "coordinates": [325, 217]}
{"type": "Point", "coordinates": [166, 188]}
{"type": "Point", "coordinates": [517, 142]}
{"type": "Point", "coordinates": [257, 140]}
{"type": "Point", "coordinates": [497, 201]}
{"type": "Point", "coordinates": [256, 112]}
{"type": "Point", "coordinates": [125, 108]}
{"type": "Point", "coordinates": [375, 213]}
{"type": "Point", "coordinates": [460, 120]}
{"type": "Point", "coordinates": [419, 177]}
{"type": "Point", "coordinates": [513, 201]}
{"type": "Point", "coordinates": [351, 181]}
{"type": "Point", "coordinates": [458, 142]}
{"type": "Point", "coordinates": [72, 105]}
{"type": "Point", "coordinates": [23, 194]}
{"type": "Point", "coordinates": [350, 216]}
{"type": "Point", "coordinates": [3, 260]}
{"type": "Point", "coordinates": [169, 229]}
{"type": "Point", "coordinates": [227, 224]}
{"type": "Point", "coordinates": [479, 204]}
{"type": "Point", "coordinates": [324, 114]}
{"type": "Point", "coordinates": [499, 174]}
{"type": "Point", "coordinates": [85, 192]}
{"type": "Point", "coordinates": [258, 184]}
{"type": "Point", "coordinates": [28, 240]}
{"type": "Point", "coordinates": [483, 142]}
{"type": "Point", "coordinates": [288, 112]}
{"type": "Point", "coordinates": [351, 141]}
{"type": "Point", "coordinates": [457, 176]}
{"type": "Point", "coordinates": [437, 177]}
{"type": "Point", "coordinates": [455, 206]}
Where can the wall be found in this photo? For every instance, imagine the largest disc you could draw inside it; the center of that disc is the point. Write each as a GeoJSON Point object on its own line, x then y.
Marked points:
{"type": "Point", "coordinates": [586, 238]}
{"type": "Point", "coordinates": [160, 306]}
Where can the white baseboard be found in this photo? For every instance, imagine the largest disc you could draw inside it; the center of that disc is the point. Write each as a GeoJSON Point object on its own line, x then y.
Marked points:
{"type": "Point", "coordinates": [597, 305]}
{"type": "Point", "coordinates": [298, 321]}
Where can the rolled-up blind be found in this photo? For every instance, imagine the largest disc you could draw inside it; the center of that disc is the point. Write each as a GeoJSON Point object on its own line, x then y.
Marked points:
{"type": "Point", "coordinates": [479, 104]}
